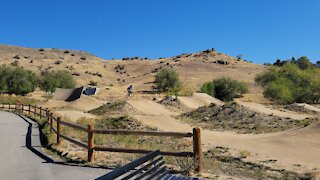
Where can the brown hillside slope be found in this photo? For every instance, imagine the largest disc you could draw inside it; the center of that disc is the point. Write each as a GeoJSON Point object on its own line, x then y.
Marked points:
{"type": "Point", "coordinates": [194, 69]}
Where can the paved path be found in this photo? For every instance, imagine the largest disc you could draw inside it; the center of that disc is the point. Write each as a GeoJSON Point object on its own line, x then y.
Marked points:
{"type": "Point", "coordinates": [21, 155]}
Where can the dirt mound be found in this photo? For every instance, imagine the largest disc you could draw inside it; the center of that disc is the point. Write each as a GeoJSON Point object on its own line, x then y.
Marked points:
{"type": "Point", "coordinates": [207, 99]}
{"type": "Point", "coordinates": [240, 119]}
{"type": "Point", "coordinates": [85, 103]}
{"type": "Point", "coordinates": [149, 107]}
{"type": "Point", "coordinates": [303, 108]}
{"type": "Point", "coordinates": [53, 104]}
{"type": "Point", "coordinates": [260, 108]}
{"type": "Point", "coordinates": [74, 115]}
{"type": "Point", "coordinates": [38, 95]}
{"type": "Point", "coordinates": [198, 100]}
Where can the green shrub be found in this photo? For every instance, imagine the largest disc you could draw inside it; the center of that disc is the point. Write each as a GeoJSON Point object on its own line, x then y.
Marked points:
{"type": "Point", "coordinates": [167, 80]}
{"type": "Point", "coordinates": [57, 79]}
{"type": "Point", "coordinates": [224, 89]}
{"type": "Point", "coordinates": [279, 91]}
{"type": "Point", "coordinates": [208, 88]}
{"type": "Point", "coordinates": [17, 80]}
{"type": "Point", "coordinates": [293, 81]}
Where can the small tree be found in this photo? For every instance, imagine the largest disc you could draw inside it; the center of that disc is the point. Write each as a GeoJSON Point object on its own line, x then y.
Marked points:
{"type": "Point", "coordinates": [167, 79]}
{"type": "Point", "coordinates": [57, 79]}
{"type": "Point", "coordinates": [239, 56]}
{"type": "Point", "coordinates": [17, 80]}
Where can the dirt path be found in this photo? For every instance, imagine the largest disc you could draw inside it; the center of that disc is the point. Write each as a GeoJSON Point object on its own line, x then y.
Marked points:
{"type": "Point", "coordinates": [147, 107]}
{"type": "Point", "coordinates": [264, 109]}
{"type": "Point", "coordinates": [291, 149]}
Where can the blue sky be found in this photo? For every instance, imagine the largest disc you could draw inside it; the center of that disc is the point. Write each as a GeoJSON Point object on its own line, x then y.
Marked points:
{"type": "Point", "coordinates": [260, 30]}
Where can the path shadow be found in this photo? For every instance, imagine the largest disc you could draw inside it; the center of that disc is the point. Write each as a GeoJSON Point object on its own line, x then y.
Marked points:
{"type": "Point", "coordinates": [29, 143]}
{"type": "Point", "coordinates": [148, 92]}
{"type": "Point", "coordinates": [42, 155]}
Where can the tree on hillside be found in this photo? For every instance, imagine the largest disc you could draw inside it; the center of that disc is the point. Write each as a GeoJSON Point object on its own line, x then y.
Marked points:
{"type": "Point", "coordinates": [4, 75]}
{"type": "Point", "coordinates": [57, 79]}
{"type": "Point", "coordinates": [167, 79]}
{"type": "Point", "coordinates": [295, 81]}
{"type": "Point", "coordinates": [304, 63]}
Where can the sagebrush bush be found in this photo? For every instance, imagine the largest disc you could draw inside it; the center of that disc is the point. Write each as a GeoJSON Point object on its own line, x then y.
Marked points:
{"type": "Point", "coordinates": [57, 79]}
{"type": "Point", "coordinates": [167, 80]}
{"type": "Point", "coordinates": [224, 89]}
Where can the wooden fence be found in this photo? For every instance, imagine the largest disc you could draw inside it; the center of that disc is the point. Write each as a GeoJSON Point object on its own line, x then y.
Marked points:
{"type": "Point", "coordinates": [56, 125]}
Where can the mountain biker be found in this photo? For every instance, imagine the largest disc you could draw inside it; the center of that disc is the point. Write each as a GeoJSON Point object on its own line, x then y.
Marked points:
{"type": "Point", "coordinates": [130, 90]}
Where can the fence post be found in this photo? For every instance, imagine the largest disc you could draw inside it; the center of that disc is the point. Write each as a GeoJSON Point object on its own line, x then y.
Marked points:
{"type": "Point", "coordinates": [90, 142]}
{"type": "Point", "coordinates": [29, 109]}
{"type": "Point", "coordinates": [58, 130]}
{"type": "Point", "coordinates": [40, 112]}
{"type": "Point", "coordinates": [197, 150]}
{"type": "Point", "coordinates": [47, 114]}
{"type": "Point", "coordinates": [51, 124]}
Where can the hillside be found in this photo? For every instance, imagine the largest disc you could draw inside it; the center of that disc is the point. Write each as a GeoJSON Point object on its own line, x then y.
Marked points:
{"type": "Point", "coordinates": [115, 75]}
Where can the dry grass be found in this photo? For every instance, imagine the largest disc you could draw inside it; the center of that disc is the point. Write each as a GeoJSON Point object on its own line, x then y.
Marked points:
{"type": "Point", "coordinates": [12, 99]}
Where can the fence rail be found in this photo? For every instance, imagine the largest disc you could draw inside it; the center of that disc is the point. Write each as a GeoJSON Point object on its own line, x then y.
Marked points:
{"type": "Point", "coordinates": [56, 124]}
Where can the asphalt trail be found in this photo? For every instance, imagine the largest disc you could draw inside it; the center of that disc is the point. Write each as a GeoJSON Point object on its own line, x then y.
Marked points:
{"type": "Point", "coordinates": [22, 157]}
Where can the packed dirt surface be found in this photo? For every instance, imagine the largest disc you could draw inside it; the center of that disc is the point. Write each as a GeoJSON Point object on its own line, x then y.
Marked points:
{"type": "Point", "coordinates": [296, 149]}
{"type": "Point", "coordinates": [74, 115]}
{"type": "Point", "coordinates": [266, 110]}
{"type": "Point", "coordinates": [198, 100]}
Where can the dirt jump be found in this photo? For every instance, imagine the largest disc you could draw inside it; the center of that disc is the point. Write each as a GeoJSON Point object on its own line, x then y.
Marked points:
{"type": "Point", "coordinates": [197, 100]}
{"type": "Point", "coordinates": [67, 94]}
